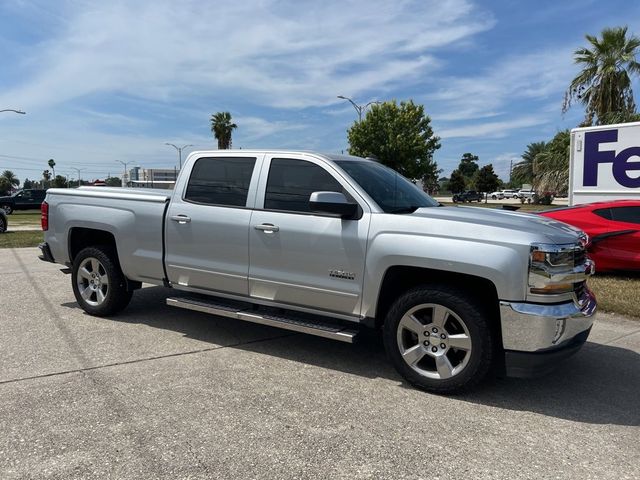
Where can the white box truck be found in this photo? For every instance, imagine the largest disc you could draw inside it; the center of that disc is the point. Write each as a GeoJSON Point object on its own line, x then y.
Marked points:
{"type": "Point", "coordinates": [604, 163]}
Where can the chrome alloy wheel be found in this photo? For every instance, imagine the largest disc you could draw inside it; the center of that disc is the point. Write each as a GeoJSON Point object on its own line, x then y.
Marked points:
{"type": "Point", "coordinates": [434, 341]}
{"type": "Point", "coordinates": [93, 281]}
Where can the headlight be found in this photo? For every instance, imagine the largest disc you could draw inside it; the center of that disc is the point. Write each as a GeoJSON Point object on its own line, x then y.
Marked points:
{"type": "Point", "coordinates": [555, 269]}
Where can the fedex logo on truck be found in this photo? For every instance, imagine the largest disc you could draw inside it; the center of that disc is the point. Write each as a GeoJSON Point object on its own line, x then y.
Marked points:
{"type": "Point", "coordinates": [620, 161]}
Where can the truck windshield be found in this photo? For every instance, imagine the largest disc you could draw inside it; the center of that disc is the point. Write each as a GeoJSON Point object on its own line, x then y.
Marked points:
{"type": "Point", "coordinates": [391, 191]}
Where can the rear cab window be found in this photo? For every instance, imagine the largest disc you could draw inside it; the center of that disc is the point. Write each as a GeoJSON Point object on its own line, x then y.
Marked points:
{"type": "Point", "coordinates": [222, 181]}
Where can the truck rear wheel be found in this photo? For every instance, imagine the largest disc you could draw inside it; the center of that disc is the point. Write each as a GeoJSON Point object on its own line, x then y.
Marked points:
{"type": "Point", "coordinates": [98, 283]}
{"type": "Point", "coordinates": [438, 339]}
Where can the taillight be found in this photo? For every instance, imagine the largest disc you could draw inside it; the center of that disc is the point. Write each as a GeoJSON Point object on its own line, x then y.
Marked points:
{"type": "Point", "coordinates": [44, 219]}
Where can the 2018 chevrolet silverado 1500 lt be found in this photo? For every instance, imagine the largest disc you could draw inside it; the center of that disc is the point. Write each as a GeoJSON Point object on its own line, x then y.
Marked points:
{"type": "Point", "coordinates": [325, 244]}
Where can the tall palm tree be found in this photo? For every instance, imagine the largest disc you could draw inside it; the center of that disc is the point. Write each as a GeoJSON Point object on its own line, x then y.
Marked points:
{"type": "Point", "coordinates": [523, 171]}
{"type": "Point", "coordinates": [603, 85]}
{"type": "Point", "coordinates": [52, 165]}
{"type": "Point", "coordinates": [221, 127]}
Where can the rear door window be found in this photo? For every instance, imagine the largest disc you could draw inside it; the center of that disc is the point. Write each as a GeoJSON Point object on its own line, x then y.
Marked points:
{"type": "Point", "coordinates": [220, 181]}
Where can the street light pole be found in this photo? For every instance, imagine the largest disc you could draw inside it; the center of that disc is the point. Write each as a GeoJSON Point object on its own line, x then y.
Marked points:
{"type": "Point", "coordinates": [12, 110]}
{"type": "Point", "coordinates": [359, 108]}
{"type": "Point", "coordinates": [124, 175]}
{"type": "Point", "coordinates": [179, 150]}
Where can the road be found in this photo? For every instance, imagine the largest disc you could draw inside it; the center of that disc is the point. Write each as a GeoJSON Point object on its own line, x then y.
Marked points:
{"type": "Point", "coordinates": [163, 393]}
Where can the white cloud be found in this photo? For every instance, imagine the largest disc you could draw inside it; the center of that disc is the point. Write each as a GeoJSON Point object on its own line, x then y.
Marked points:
{"type": "Point", "coordinates": [496, 129]}
{"type": "Point", "coordinates": [285, 54]}
{"type": "Point", "coordinates": [531, 76]}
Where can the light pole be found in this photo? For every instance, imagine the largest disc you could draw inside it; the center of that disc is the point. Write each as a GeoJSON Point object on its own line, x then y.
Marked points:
{"type": "Point", "coordinates": [125, 174]}
{"type": "Point", "coordinates": [79, 179]}
{"type": "Point", "coordinates": [359, 108]}
{"type": "Point", "coordinates": [179, 149]}
{"type": "Point", "coordinates": [13, 110]}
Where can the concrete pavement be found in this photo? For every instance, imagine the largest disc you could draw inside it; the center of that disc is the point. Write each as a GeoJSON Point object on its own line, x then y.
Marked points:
{"type": "Point", "coordinates": [158, 392]}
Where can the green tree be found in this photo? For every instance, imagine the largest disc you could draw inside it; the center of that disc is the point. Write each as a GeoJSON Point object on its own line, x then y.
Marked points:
{"type": "Point", "coordinates": [52, 166]}
{"type": "Point", "coordinates": [523, 171]}
{"type": "Point", "coordinates": [399, 136]}
{"type": "Point", "coordinates": [7, 182]}
{"type": "Point", "coordinates": [486, 180]}
{"type": "Point", "coordinates": [603, 85]}
{"type": "Point", "coordinates": [222, 127]}
{"type": "Point", "coordinates": [468, 165]}
{"type": "Point", "coordinates": [113, 182]}
{"type": "Point", "coordinates": [59, 182]}
{"type": "Point", "coordinates": [457, 182]}
{"type": "Point", "coordinates": [551, 166]}
{"type": "Point", "coordinates": [28, 184]}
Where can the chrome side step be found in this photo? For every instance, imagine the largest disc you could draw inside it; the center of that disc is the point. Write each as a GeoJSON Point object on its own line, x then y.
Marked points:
{"type": "Point", "coordinates": [295, 321]}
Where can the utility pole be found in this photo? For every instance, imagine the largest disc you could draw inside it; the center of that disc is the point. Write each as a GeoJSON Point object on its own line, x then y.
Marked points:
{"type": "Point", "coordinates": [359, 108]}
{"type": "Point", "coordinates": [179, 150]}
{"type": "Point", "coordinates": [125, 175]}
{"type": "Point", "coordinates": [79, 179]}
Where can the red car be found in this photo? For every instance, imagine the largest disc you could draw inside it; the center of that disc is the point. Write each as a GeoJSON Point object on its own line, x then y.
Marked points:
{"type": "Point", "coordinates": [613, 228]}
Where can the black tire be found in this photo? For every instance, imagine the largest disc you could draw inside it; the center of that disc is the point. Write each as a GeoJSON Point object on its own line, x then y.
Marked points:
{"type": "Point", "coordinates": [3, 224]}
{"type": "Point", "coordinates": [474, 362]}
{"type": "Point", "coordinates": [8, 209]}
{"type": "Point", "coordinates": [115, 296]}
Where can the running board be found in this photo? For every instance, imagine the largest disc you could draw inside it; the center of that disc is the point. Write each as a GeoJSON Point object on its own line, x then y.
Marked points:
{"type": "Point", "coordinates": [312, 324]}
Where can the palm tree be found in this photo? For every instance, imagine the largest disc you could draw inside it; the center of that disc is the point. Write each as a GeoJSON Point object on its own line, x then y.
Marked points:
{"type": "Point", "coordinates": [7, 181]}
{"type": "Point", "coordinates": [551, 166]}
{"type": "Point", "coordinates": [603, 85]}
{"type": "Point", "coordinates": [52, 165]}
{"type": "Point", "coordinates": [9, 177]}
{"type": "Point", "coordinates": [221, 127]}
{"type": "Point", "coordinates": [523, 171]}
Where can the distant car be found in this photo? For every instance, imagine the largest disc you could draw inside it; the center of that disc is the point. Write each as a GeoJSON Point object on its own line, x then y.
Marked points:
{"type": "Point", "coordinates": [468, 196]}
{"type": "Point", "coordinates": [527, 196]}
{"type": "Point", "coordinates": [496, 195]}
{"type": "Point", "coordinates": [22, 200]}
{"type": "Point", "coordinates": [510, 193]}
{"type": "Point", "coordinates": [613, 228]}
{"type": "Point", "coordinates": [3, 221]}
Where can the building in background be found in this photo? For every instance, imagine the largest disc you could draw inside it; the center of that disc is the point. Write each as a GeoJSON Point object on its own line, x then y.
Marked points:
{"type": "Point", "coordinates": [153, 177]}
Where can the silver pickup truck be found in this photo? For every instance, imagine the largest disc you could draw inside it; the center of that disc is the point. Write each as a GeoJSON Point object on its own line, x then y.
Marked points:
{"type": "Point", "coordinates": [327, 245]}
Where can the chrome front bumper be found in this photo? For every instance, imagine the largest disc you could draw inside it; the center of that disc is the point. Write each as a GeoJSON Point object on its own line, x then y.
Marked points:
{"type": "Point", "coordinates": [534, 327]}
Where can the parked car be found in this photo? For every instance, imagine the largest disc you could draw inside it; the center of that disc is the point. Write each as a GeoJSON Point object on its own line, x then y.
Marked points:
{"type": "Point", "coordinates": [329, 245]}
{"type": "Point", "coordinates": [468, 196]}
{"type": "Point", "coordinates": [3, 221]}
{"type": "Point", "coordinates": [527, 196]}
{"type": "Point", "coordinates": [22, 200]}
{"type": "Point", "coordinates": [510, 193]}
{"type": "Point", "coordinates": [613, 228]}
{"type": "Point", "coordinates": [496, 195]}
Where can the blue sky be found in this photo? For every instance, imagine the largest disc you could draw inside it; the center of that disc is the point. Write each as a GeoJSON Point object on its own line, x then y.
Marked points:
{"type": "Point", "coordinates": [108, 81]}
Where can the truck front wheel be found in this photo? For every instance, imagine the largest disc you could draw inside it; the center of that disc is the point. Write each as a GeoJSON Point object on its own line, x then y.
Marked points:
{"type": "Point", "coordinates": [8, 209]}
{"type": "Point", "coordinates": [438, 339]}
{"type": "Point", "coordinates": [98, 283]}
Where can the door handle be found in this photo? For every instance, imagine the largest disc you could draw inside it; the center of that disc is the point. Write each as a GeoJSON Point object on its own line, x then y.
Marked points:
{"type": "Point", "coordinates": [267, 228]}
{"type": "Point", "coordinates": [181, 219]}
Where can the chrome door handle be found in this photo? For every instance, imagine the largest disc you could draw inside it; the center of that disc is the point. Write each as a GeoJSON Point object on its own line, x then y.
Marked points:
{"type": "Point", "coordinates": [182, 219]}
{"type": "Point", "coordinates": [267, 228]}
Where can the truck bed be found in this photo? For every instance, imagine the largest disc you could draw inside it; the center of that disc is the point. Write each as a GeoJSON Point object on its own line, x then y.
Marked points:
{"type": "Point", "coordinates": [134, 216]}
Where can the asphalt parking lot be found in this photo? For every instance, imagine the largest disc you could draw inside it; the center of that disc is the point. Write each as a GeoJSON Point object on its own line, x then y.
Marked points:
{"type": "Point", "coordinates": [164, 393]}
